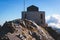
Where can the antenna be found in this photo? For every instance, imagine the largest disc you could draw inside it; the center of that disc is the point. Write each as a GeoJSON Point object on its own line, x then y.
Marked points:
{"type": "Point", "coordinates": [24, 5]}
{"type": "Point", "coordinates": [24, 8]}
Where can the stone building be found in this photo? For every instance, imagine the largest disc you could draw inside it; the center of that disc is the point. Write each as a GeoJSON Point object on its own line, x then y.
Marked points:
{"type": "Point", "coordinates": [34, 14]}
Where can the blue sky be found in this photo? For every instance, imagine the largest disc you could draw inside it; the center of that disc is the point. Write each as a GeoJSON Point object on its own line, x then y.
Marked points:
{"type": "Point", "coordinates": [11, 9]}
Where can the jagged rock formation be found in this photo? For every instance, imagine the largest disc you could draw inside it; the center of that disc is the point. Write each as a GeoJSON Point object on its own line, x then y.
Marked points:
{"type": "Point", "coordinates": [0, 27]}
{"type": "Point", "coordinates": [53, 33]}
{"type": "Point", "coordinates": [25, 30]}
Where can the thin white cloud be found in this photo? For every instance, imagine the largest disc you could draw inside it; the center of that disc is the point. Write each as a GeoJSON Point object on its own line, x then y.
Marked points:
{"type": "Point", "coordinates": [53, 20]}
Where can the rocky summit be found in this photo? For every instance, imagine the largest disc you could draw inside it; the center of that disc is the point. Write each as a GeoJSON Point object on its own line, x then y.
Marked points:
{"type": "Point", "coordinates": [24, 30]}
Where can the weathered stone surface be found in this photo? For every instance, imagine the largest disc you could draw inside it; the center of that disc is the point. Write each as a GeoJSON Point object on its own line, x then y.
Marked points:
{"type": "Point", "coordinates": [0, 28]}
{"type": "Point", "coordinates": [53, 33]}
{"type": "Point", "coordinates": [26, 30]}
{"type": "Point", "coordinates": [34, 14]}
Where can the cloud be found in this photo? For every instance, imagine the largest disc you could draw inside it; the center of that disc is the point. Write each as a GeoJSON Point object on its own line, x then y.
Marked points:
{"type": "Point", "coordinates": [53, 20]}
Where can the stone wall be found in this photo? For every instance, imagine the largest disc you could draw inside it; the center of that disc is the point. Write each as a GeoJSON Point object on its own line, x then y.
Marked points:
{"type": "Point", "coordinates": [34, 16]}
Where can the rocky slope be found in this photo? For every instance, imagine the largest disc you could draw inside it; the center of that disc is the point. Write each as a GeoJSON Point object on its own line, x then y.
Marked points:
{"type": "Point", "coordinates": [24, 30]}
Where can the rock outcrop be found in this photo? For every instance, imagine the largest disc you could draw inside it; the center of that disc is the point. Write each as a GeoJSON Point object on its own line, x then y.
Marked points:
{"type": "Point", "coordinates": [25, 30]}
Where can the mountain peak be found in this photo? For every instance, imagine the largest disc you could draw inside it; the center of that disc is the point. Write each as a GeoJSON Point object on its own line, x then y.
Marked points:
{"type": "Point", "coordinates": [25, 30]}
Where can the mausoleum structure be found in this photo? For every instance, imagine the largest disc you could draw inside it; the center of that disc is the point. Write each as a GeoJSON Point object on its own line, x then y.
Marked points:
{"type": "Point", "coordinates": [34, 14]}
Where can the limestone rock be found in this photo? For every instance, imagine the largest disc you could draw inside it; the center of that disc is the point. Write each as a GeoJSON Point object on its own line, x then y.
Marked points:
{"type": "Point", "coordinates": [26, 30]}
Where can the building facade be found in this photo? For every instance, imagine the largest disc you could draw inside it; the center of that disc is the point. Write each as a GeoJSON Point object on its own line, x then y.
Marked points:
{"type": "Point", "coordinates": [34, 14]}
